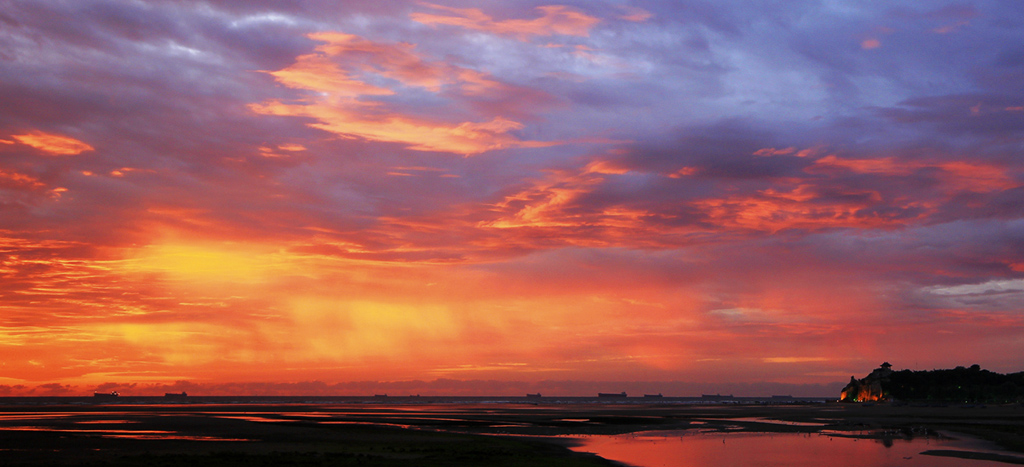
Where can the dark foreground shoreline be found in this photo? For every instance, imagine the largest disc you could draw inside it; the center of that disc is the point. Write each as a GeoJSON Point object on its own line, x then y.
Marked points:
{"type": "Point", "coordinates": [428, 434]}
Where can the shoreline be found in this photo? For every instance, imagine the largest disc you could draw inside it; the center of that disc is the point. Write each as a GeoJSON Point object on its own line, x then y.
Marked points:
{"type": "Point", "coordinates": [441, 434]}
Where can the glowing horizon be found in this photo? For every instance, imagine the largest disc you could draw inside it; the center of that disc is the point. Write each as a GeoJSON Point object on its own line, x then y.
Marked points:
{"type": "Point", "coordinates": [510, 196]}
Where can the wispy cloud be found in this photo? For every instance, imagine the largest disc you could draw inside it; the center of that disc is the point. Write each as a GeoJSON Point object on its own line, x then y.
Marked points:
{"type": "Point", "coordinates": [337, 76]}
{"type": "Point", "coordinates": [554, 19]}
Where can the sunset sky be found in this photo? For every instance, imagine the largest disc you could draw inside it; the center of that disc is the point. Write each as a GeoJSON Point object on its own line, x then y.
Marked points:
{"type": "Point", "coordinates": [487, 196]}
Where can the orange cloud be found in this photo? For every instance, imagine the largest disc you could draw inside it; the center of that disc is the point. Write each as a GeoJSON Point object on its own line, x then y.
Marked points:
{"type": "Point", "coordinates": [291, 147]}
{"type": "Point", "coordinates": [559, 206]}
{"type": "Point", "coordinates": [977, 177]}
{"type": "Point", "coordinates": [127, 170]}
{"type": "Point", "coordinates": [249, 311]}
{"type": "Point", "coordinates": [553, 203]}
{"type": "Point", "coordinates": [886, 166]}
{"type": "Point", "coordinates": [227, 310]}
{"type": "Point", "coordinates": [467, 138]}
{"type": "Point", "coordinates": [336, 75]}
{"type": "Point", "coordinates": [604, 167]}
{"type": "Point", "coordinates": [868, 44]}
{"type": "Point", "coordinates": [542, 206]}
{"type": "Point", "coordinates": [580, 208]}
{"type": "Point", "coordinates": [556, 211]}
{"type": "Point", "coordinates": [957, 175]}
{"type": "Point", "coordinates": [321, 70]}
{"type": "Point", "coordinates": [684, 172]}
{"type": "Point", "coordinates": [771, 211]}
{"type": "Point", "coordinates": [318, 72]}
{"type": "Point", "coordinates": [53, 144]}
{"type": "Point", "coordinates": [216, 308]}
{"type": "Point", "coordinates": [555, 19]}
{"type": "Point", "coordinates": [273, 153]}
{"type": "Point", "coordinates": [18, 180]}
{"type": "Point", "coordinates": [789, 151]}
{"type": "Point", "coordinates": [556, 207]}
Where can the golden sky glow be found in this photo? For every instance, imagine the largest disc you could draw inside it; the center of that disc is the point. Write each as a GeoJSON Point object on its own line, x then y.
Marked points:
{"type": "Point", "coordinates": [463, 198]}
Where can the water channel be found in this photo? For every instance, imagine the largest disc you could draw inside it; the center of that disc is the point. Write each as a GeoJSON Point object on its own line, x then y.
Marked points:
{"type": "Point", "coordinates": [690, 448]}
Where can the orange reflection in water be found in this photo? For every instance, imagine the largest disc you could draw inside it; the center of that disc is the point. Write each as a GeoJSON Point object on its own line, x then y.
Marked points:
{"type": "Point", "coordinates": [686, 449]}
{"type": "Point", "coordinates": [122, 434]}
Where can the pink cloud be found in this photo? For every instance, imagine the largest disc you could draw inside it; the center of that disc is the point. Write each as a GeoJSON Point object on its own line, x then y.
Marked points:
{"type": "Point", "coordinates": [554, 19]}
{"type": "Point", "coordinates": [637, 15]}
{"type": "Point", "coordinates": [956, 175]}
{"type": "Point", "coordinates": [949, 28]}
{"type": "Point", "coordinates": [775, 152]}
{"type": "Point", "coordinates": [872, 43]}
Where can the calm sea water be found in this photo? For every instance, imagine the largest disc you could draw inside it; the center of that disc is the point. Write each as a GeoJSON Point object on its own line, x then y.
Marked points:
{"type": "Point", "coordinates": [694, 449]}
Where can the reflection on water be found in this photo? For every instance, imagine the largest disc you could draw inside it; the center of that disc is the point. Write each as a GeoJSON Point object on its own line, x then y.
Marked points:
{"type": "Point", "coordinates": [121, 434]}
{"type": "Point", "coordinates": [170, 436]}
{"type": "Point", "coordinates": [702, 445]}
{"type": "Point", "coordinates": [774, 421]}
{"type": "Point", "coordinates": [104, 422]}
{"type": "Point", "coordinates": [687, 449]}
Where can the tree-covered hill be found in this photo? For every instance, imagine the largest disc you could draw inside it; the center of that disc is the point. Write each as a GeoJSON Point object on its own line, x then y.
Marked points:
{"type": "Point", "coordinates": [963, 385]}
{"type": "Point", "coordinates": [971, 385]}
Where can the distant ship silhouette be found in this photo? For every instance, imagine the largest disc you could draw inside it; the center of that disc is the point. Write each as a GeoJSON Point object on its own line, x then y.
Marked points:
{"type": "Point", "coordinates": [716, 397]}
{"type": "Point", "coordinates": [105, 395]}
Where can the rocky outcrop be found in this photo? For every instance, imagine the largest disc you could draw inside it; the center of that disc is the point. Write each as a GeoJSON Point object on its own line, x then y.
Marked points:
{"type": "Point", "coordinates": [869, 388]}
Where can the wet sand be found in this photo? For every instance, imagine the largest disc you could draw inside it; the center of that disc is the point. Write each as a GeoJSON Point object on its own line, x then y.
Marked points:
{"type": "Point", "coordinates": [498, 434]}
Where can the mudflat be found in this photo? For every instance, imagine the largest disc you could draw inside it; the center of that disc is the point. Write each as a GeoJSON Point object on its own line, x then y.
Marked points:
{"type": "Point", "coordinates": [385, 434]}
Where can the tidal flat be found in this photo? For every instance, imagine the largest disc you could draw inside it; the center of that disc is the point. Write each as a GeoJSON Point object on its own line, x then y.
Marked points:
{"type": "Point", "coordinates": [428, 433]}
